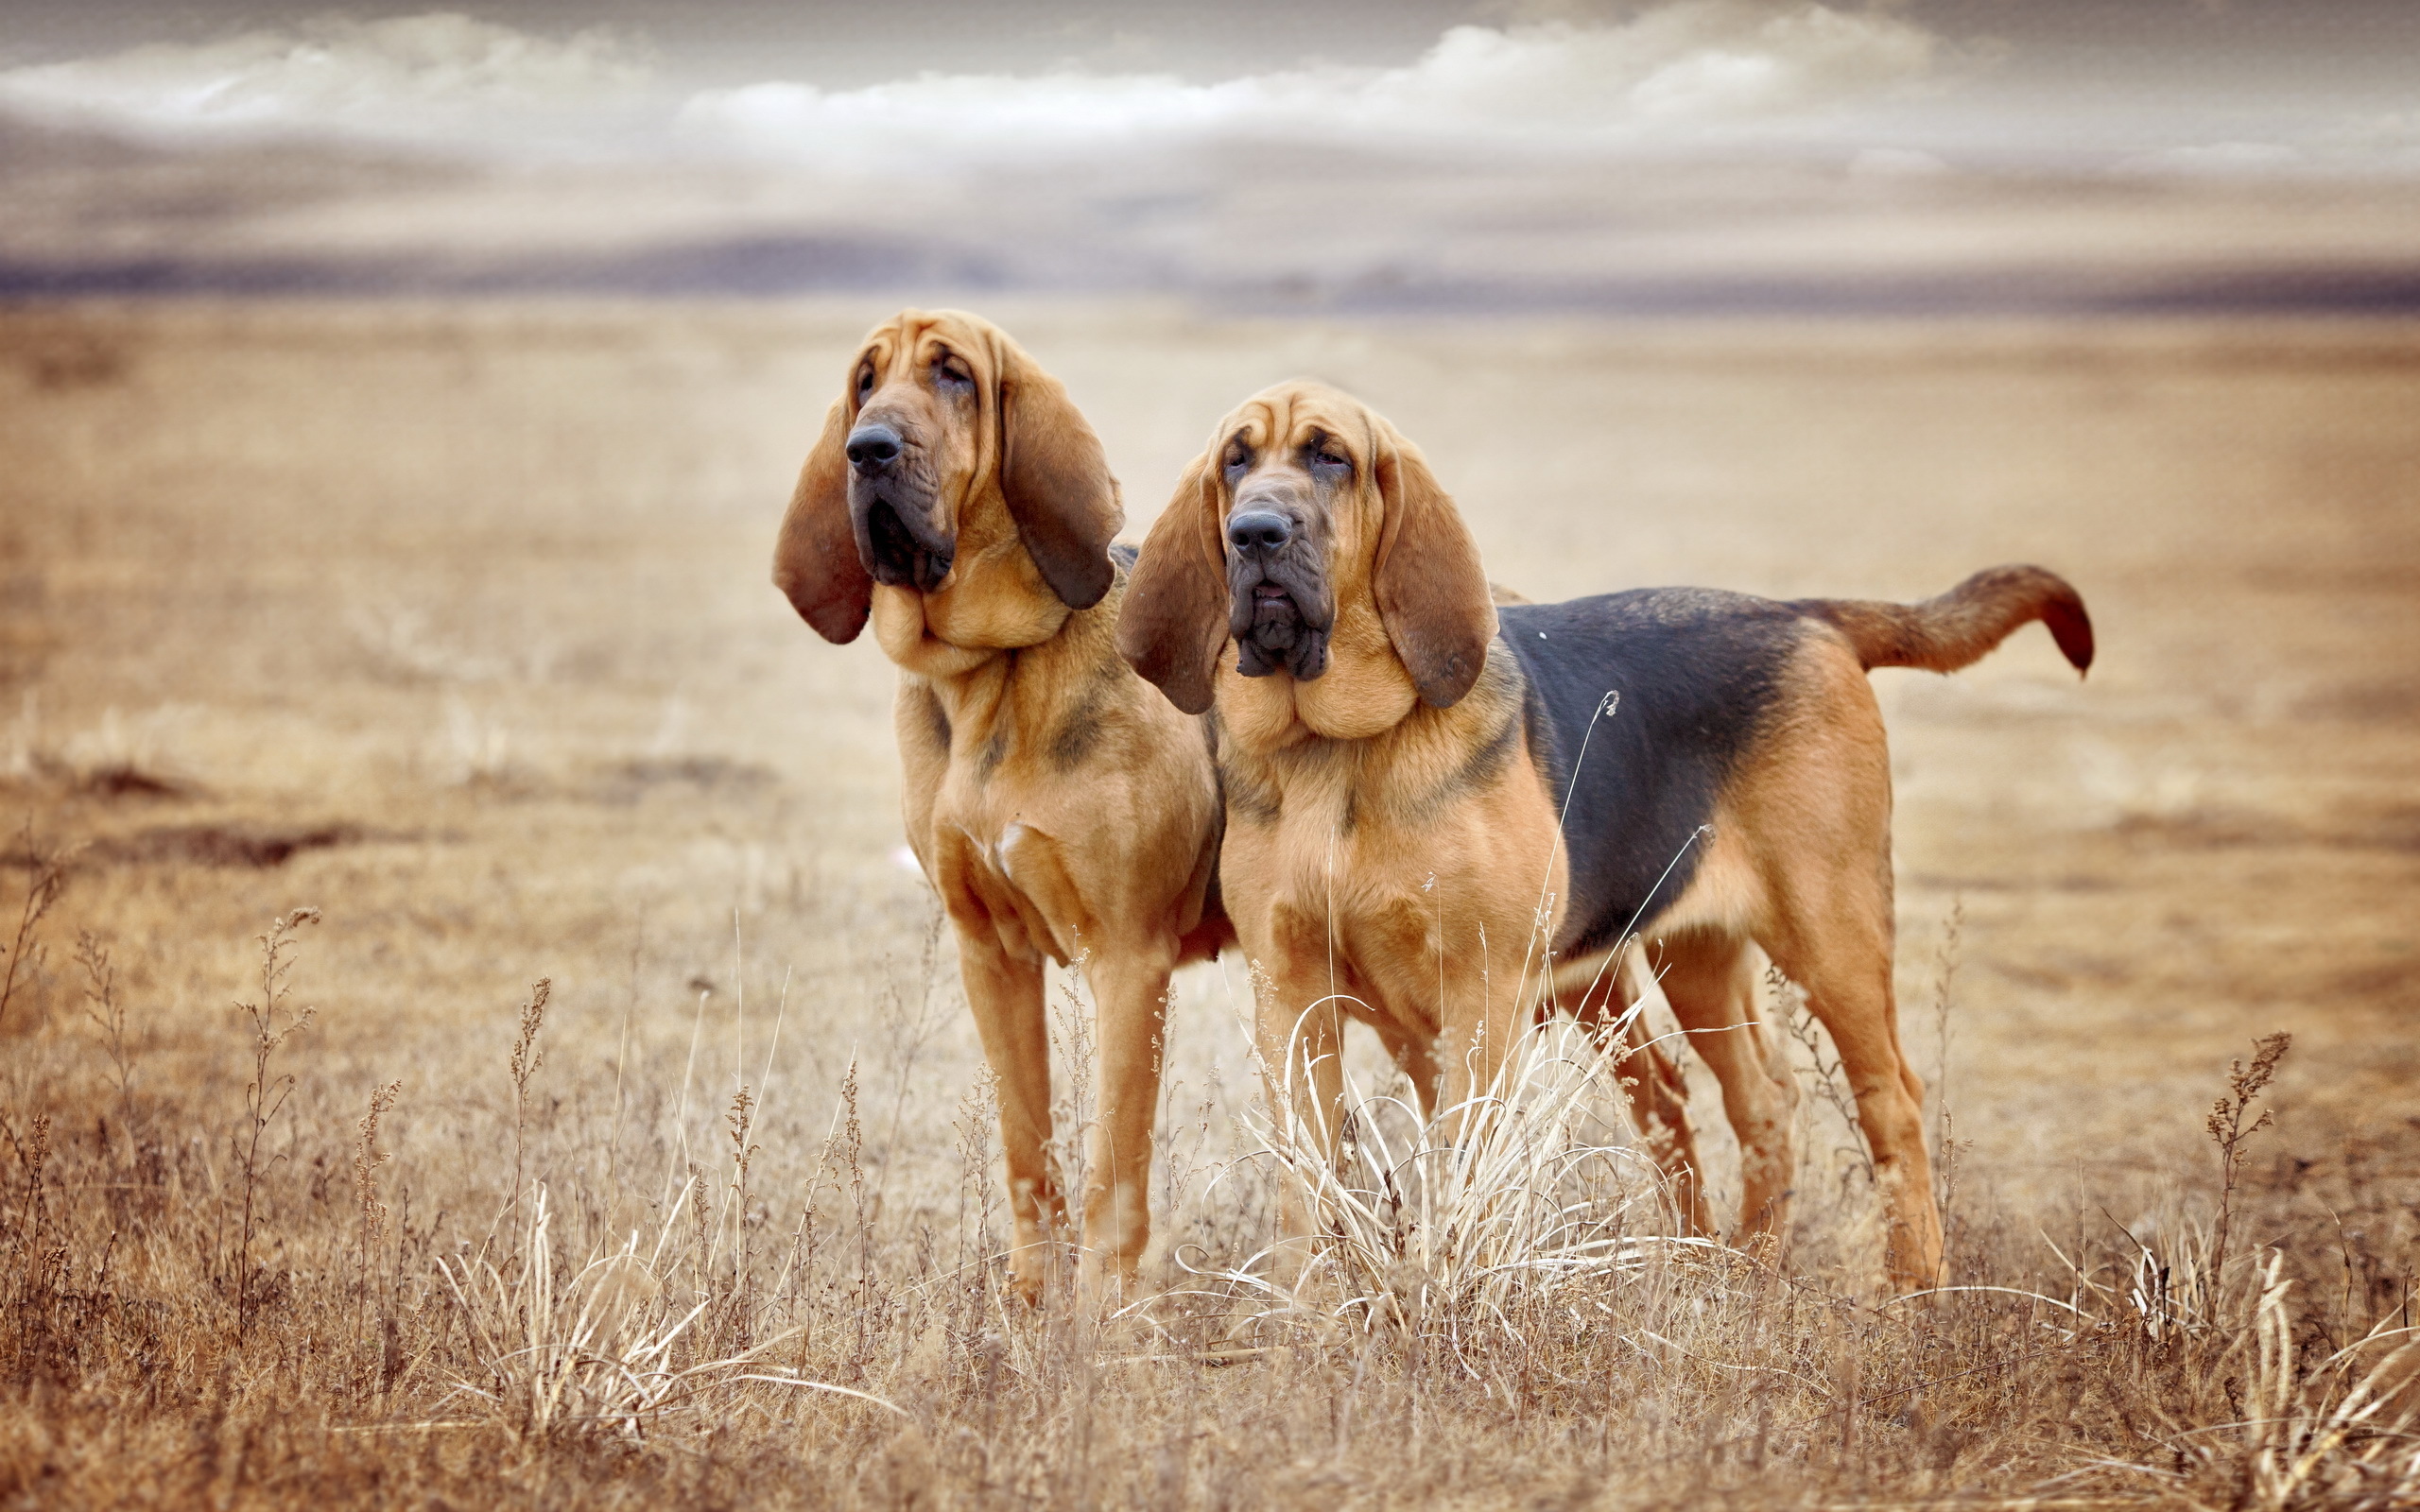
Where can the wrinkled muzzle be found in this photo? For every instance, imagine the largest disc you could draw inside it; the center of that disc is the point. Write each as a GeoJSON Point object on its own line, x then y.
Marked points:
{"type": "Point", "coordinates": [1279, 609]}
{"type": "Point", "coordinates": [896, 511]}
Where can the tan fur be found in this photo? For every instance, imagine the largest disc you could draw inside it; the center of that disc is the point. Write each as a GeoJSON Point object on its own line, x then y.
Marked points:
{"type": "Point", "coordinates": [1061, 807]}
{"type": "Point", "coordinates": [1957, 628]}
{"type": "Point", "coordinates": [1380, 865]}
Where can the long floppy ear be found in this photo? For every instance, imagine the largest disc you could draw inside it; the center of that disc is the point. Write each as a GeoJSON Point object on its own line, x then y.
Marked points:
{"type": "Point", "coordinates": [1056, 481]}
{"type": "Point", "coordinates": [816, 562]}
{"type": "Point", "coordinates": [1431, 589]}
{"type": "Point", "coordinates": [1172, 623]}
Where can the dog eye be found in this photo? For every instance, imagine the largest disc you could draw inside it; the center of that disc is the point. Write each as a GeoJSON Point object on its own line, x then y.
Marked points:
{"type": "Point", "coordinates": [1330, 457]}
{"type": "Point", "coordinates": [947, 369]}
{"type": "Point", "coordinates": [1237, 455]}
{"type": "Point", "coordinates": [865, 382]}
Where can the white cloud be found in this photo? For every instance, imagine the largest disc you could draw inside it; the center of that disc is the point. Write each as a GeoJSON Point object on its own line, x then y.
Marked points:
{"type": "Point", "coordinates": [2388, 141]}
{"type": "Point", "coordinates": [1897, 163]}
{"type": "Point", "coordinates": [2217, 160]}
{"type": "Point", "coordinates": [435, 77]}
{"type": "Point", "coordinates": [1680, 71]}
{"type": "Point", "coordinates": [1554, 75]}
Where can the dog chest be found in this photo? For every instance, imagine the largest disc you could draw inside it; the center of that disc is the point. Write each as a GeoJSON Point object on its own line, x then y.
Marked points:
{"type": "Point", "coordinates": [1008, 879]}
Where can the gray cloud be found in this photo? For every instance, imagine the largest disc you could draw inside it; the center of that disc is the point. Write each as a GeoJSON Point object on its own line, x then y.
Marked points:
{"type": "Point", "coordinates": [1552, 75]}
{"type": "Point", "coordinates": [439, 76]}
{"type": "Point", "coordinates": [1672, 72]}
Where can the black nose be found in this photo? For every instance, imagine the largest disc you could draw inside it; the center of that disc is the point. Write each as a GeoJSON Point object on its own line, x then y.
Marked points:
{"type": "Point", "coordinates": [1259, 529]}
{"type": "Point", "coordinates": [872, 448]}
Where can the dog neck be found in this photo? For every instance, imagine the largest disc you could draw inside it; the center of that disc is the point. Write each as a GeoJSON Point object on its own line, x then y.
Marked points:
{"type": "Point", "coordinates": [992, 602]}
{"type": "Point", "coordinates": [992, 700]}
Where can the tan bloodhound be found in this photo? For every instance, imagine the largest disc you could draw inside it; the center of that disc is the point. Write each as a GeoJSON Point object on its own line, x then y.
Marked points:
{"type": "Point", "coordinates": [1062, 808]}
{"type": "Point", "coordinates": [1422, 789]}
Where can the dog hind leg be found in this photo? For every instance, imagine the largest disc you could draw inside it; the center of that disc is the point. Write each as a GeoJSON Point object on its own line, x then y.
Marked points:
{"type": "Point", "coordinates": [1845, 969]}
{"type": "Point", "coordinates": [1653, 1086]}
{"type": "Point", "coordinates": [1710, 979]}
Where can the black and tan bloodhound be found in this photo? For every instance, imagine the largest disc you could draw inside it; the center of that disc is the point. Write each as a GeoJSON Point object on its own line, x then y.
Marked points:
{"type": "Point", "coordinates": [1061, 807]}
{"type": "Point", "coordinates": [1421, 788]}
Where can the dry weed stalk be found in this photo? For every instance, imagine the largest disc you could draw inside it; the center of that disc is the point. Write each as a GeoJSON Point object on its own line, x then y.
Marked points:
{"type": "Point", "coordinates": [367, 1159]}
{"type": "Point", "coordinates": [45, 878]}
{"type": "Point", "coordinates": [2342, 1433]}
{"type": "Point", "coordinates": [807, 1238]}
{"type": "Point", "coordinates": [106, 1011]}
{"type": "Point", "coordinates": [272, 1025]}
{"type": "Point", "coordinates": [32, 1258]}
{"type": "Point", "coordinates": [2179, 1289]}
{"type": "Point", "coordinates": [740, 1121]}
{"type": "Point", "coordinates": [2228, 1131]}
{"type": "Point", "coordinates": [1946, 1143]}
{"type": "Point", "coordinates": [524, 1063]}
{"type": "Point", "coordinates": [1067, 1157]}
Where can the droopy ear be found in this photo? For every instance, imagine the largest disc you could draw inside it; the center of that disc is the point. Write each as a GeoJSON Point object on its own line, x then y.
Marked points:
{"type": "Point", "coordinates": [816, 562]}
{"type": "Point", "coordinates": [1432, 591]}
{"type": "Point", "coordinates": [1056, 481]}
{"type": "Point", "coordinates": [1172, 623]}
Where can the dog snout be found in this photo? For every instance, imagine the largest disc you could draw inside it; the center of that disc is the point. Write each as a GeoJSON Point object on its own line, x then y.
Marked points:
{"type": "Point", "coordinates": [1262, 531]}
{"type": "Point", "coordinates": [873, 449]}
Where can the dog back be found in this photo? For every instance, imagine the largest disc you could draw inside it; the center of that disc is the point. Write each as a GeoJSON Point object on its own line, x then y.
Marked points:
{"type": "Point", "coordinates": [1640, 707]}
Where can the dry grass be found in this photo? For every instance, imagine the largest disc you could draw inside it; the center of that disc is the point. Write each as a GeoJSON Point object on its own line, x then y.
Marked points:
{"type": "Point", "coordinates": [1496, 1316]}
{"type": "Point", "coordinates": [452, 624]}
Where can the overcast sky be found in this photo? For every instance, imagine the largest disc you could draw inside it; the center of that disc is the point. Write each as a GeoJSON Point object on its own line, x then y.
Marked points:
{"type": "Point", "coordinates": [2036, 153]}
{"type": "Point", "coordinates": [2371, 44]}
{"type": "Point", "coordinates": [2198, 85]}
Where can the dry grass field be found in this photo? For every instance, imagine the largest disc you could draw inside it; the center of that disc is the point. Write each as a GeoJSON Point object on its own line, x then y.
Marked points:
{"type": "Point", "coordinates": [453, 624]}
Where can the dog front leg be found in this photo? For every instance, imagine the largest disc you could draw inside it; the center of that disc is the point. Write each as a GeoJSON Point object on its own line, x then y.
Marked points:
{"type": "Point", "coordinates": [1006, 995]}
{"type": "Point", "coordinates": [1486, 1004]}
{"type": "Point", "coordinates": [1299, 1034]}
{"type": "Point", "coordinates": [1130, 993]}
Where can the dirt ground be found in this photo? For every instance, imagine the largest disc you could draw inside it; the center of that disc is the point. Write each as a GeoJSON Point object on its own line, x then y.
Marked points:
{"type": "Point", "coordinates": [454, 623]}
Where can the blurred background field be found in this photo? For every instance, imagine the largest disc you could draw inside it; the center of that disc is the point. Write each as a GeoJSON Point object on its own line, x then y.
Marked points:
{"type": "Point", "coordinates": [471, 602]}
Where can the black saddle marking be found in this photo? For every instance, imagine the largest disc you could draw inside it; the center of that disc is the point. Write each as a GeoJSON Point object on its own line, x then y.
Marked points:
{"type": "Point", "coordinates": [1698, 672]}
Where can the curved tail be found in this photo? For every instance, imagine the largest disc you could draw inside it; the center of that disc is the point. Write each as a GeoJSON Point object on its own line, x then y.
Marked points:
{"type": "Point", "coordinates": [1959, 628]}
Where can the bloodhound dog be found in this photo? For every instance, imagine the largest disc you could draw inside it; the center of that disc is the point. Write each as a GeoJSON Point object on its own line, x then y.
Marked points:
{"type": "Point", "coordinates": [1423, 788]}
{"type": "Point", "coordinates": [1061, 809]}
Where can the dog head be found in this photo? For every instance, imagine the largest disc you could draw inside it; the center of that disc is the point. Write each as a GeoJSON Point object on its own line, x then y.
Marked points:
{"type": "Point", "coordinates": [1308, 524]}
{"type": "Point", "coordinates": [941, 421]}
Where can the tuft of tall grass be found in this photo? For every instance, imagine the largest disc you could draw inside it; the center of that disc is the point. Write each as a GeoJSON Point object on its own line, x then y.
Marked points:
{"type": "Point", "coordinates": [591, 1352]}
{"type": "Point", "coordinates": [1425, 1228]}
